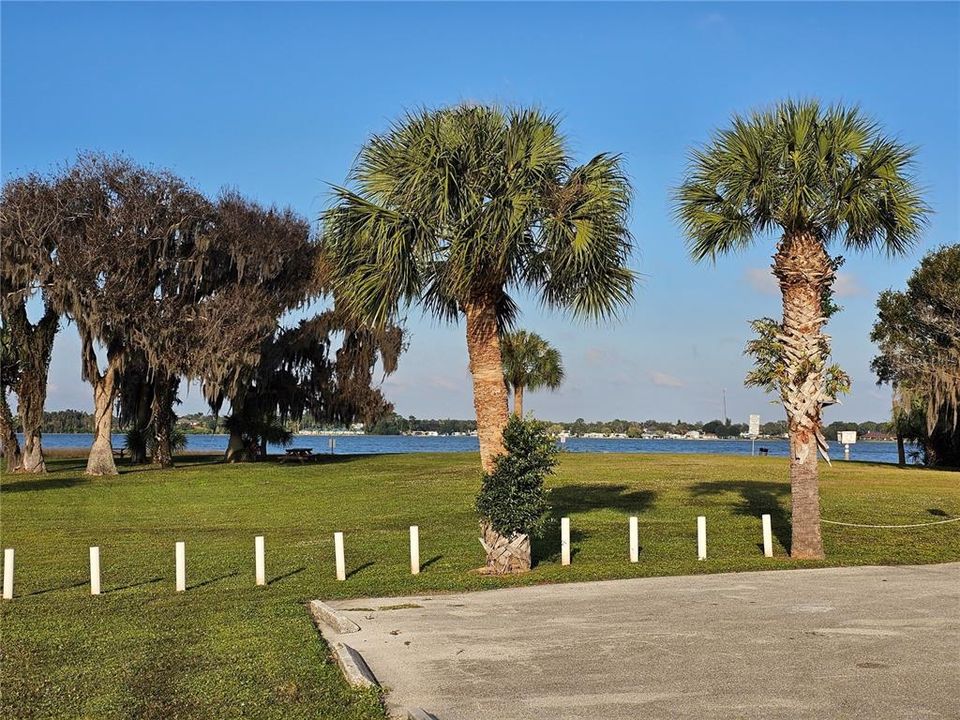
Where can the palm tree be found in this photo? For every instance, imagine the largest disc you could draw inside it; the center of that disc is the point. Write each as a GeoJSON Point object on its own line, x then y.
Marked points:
{"type": "Point", "coordinates": [814, 175]}
{"type": "Point", "coordinates": [529, 362]}
{"type": "Point", "coordinates": [455, 209]}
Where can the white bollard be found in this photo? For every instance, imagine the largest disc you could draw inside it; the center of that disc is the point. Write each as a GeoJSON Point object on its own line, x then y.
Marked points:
{"type": "Point", "coordinates": [181, 557]}
{"type": "Point", "coordinates": [634, 540]}
{"type": "Point", "coordinates": [565, 541]}
{"type": "Point", "coordinates": [414, 550]}
{"type": "Point", "coordinates": [701, 538]}
{"type": "Point", "coordinates": [338, 550]}
{"type": "Point", "coordinates": [767, 536]}
{"type": "Point", "coordinates": [8, 574]}
{"type": "Point", "coordinates": [95, 570]}
{"type": "Point", "coordinates": [258, 561]}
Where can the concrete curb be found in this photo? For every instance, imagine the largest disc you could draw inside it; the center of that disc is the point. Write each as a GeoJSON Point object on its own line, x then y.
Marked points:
{"type": "Point", "coordinates": [419, 714]}
{"type": "Point", "coordinates": [323, 613]}
{"type": "Point", "coordinates": [354, 667]}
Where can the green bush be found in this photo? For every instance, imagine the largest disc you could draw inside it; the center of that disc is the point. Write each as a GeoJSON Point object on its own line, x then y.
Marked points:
{"type": "Point", "coordinates": [512, 498]}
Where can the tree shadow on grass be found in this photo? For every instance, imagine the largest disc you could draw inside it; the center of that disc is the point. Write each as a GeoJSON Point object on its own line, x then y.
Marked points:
{"type": "Point", "coordinates": [212, 580]}
{"type": "Point", "coordinates": [756, 499]}
{"type": "Point", "coordinates": [12, 484]}
{"type": "Point", "coordinates": [58, 587]}
{"type": "Point", "coordinates": [319, 458]}
{"type": "Point", "coordinates": [130, 586]}
{"type": "Point", "coordinates": [284, 576]}
{"type": "Point", "coordinates": [567, 500]}
{"type": "Point", "coordinates": [427, 563]}
{"type": "Point", "coordinates": [359, 568]}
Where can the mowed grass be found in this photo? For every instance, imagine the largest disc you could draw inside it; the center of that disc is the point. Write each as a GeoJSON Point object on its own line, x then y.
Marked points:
{"type": "Point", "coordinates": [227, 649]}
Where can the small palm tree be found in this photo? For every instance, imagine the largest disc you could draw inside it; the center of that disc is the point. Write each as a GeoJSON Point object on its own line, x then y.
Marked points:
{"type": "Point", "coordinates": [456, 209]}
{"type": "Point", "coordinates": [529, 362]}
{"type": "Point", "coordinates": [814, 175]}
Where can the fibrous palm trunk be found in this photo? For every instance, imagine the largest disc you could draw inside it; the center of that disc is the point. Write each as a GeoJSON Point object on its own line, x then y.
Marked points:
{"type": "Point", "coordinates": [504, 554]}
{"type": "Point", "coordinates": [518, 400]}
{"type": "Point", "coordinates": [803, 269]}
{"type": "Point", "coordinates": [486, 367]}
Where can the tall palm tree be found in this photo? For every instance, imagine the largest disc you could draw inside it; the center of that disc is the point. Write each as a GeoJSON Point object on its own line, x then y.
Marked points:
{"type": "Point", "coordinates": [455, 209]}
{"type": "Point", "coordinates": [529, 362]}
{"type": "Point", "coordinates": [814, 175]}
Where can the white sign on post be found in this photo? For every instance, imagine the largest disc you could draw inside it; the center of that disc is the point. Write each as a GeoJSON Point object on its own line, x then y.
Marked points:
{"type": "Point", "coordinates": [847, 438]}
{"type": "Point", "coordinates": [754, 425]}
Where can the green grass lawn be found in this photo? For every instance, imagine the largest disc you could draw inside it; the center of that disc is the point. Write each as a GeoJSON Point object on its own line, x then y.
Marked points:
{"type": "Point", "coordinates": [226, 648]}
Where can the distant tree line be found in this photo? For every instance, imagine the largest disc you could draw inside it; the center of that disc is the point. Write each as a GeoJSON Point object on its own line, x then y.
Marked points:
{"type": "Point", "coordinates": [63, 421]}
{"type": "Point", "coordinates": [394, 424]}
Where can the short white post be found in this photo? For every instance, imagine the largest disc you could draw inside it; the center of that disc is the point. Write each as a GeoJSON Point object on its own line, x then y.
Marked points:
{"type": "Point", "coordinates": [95, 570]}
{"type": "Point", "coordinates": [701, 538]}
{"type": "Point", "coordinates": [565, 541]}
{"type": "Point", "coordinates": [8, 574]}
{"type": "Point", "coordinates": [181, 557]}
{"type": "Point", "coordinates": [634, 540]}
{"type": "Point", "coordinates": [338, 551]}
{"type": "Point", "coordinates": [767, 536]}
{"type": "Point", "coordinates": [846, 452]}
{"type": "Point", "coordinates": [258, 561]}
{"type": "Point", "coordinates": [414, 550]}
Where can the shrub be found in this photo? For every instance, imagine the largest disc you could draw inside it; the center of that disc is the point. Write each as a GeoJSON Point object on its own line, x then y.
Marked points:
{"type": "Point", "coordinates": [512, 498]}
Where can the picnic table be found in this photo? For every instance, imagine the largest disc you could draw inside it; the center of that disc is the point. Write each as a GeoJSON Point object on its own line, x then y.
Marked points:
{"type": "Point", "coordinates": [119, 452]}
{"type": "Point", "coordinates": [299, 453]}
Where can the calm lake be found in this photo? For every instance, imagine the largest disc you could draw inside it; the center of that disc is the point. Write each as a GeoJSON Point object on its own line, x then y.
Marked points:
{"type": "Point", "coordinates": [372, 444]}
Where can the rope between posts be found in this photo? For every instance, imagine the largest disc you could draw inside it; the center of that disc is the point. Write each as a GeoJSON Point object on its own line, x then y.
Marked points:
{"type": "Point", "coordinates": [916, 525]}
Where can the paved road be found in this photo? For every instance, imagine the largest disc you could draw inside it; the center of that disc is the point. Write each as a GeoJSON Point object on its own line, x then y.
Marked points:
{"type": "Point", "coordinates": [867, 642]}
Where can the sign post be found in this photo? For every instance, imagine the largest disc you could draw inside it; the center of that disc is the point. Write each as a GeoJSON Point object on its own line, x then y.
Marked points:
{"type": "Point", "coordinates": [754, 432]}
{"type": "Point", "coordinates": [847, 438]}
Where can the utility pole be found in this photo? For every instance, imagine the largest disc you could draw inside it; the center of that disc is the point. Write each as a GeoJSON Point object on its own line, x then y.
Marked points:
{"type": "Point", "coordinates": [724, 397]}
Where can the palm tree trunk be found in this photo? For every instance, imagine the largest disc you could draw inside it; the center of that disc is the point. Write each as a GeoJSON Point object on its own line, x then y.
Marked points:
{"type": "Point", "coordinates": [504, 554]}
{"type": "Point", "coordinates": [901, 451]}
{"type": "Point", "coordinates": [803, 269]}
{"type": "Point", "coordinates": [518, 400]}
{"type": "Point", "coordinates": [486, 367]}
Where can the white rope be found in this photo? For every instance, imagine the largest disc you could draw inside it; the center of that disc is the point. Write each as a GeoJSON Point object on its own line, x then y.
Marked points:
{"type": "Point", "coordinates": [935, 522]}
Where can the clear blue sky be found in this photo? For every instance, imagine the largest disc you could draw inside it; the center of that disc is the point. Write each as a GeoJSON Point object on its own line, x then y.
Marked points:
{"type": "Point", "coordinates": [276, 99]}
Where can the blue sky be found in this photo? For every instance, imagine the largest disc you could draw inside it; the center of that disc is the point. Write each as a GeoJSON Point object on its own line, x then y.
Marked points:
{"type": "Point", "coordinates": [276, 99]}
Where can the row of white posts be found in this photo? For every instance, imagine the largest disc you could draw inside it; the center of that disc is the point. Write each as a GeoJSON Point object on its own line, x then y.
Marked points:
{"type": "Point", "coordinates": [635, 538]}
{"type": "Point", "coordinates": [180, 554]}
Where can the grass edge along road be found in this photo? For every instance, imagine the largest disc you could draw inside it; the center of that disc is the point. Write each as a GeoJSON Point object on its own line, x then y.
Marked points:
{"type": "Point", "coordinates": [226, 648]}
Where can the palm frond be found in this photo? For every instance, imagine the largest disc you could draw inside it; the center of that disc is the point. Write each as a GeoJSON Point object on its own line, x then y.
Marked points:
{"type": "Point", "coordinates": [476, 199]}
{"type": "Point", "coordinates": [802, 167]}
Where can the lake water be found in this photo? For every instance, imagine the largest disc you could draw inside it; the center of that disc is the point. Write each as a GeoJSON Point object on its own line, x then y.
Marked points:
{"type": "Point", "coordinates": [374, 444]}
